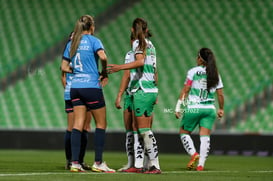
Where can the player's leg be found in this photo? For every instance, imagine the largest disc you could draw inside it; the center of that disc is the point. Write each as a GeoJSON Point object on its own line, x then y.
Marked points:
{"type": "Point", "coordinates": [99, 140]}
{"type": "Point", "coordinates": [76, 136]}
{"type": "Point", "coordinates": [206, 124]}
{"type": "Point", "coordinates": [79, 110]}
{"type": "Point", "coordinates": [95, 101]}
{"type": "Point", "coordinates": [143, 108]}
{"type": "Point", "coordinates": [67, 136]}
{"type": "Point", "coordinates": [129, 139]}
{"type": "Point", "coordinates": [188, 124]}
{"type": "Point", "coordinates": [84, 140]}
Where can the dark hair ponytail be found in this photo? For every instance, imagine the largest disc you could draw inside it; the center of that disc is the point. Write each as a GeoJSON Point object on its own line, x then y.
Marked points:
{"type": "Point", "coordinates": [140, 32]}
{"type": "Point", "coordinates": [211, 69]}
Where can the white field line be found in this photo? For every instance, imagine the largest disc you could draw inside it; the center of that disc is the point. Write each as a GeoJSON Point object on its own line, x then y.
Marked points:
{"type": "Point", "coordinates": [120, 173]}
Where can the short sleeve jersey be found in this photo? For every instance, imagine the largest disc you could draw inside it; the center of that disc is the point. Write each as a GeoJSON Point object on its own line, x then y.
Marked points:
{"type": "Point", "coordinates": [198, 96]}
{"type": "Point", "coordinates": [145, 78]}
{"type": "Point", "coordinates": [130, 57]}
{"type": "Point", "coordinates": [85, 63]}
{"type": "Point", "coordinates": [69, 76]}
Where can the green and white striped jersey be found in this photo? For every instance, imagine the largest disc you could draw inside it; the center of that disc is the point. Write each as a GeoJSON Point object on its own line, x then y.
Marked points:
{"type": "Point", "coordinates": [198, 96]}
{"type": "Point", "coordinates": [130, 57]}
{"type": "Point", "coordinates": [144, 77]}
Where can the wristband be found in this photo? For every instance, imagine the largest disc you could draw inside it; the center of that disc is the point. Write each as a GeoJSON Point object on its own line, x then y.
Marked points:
{"type": "Point", "coordinates": [178, 105]}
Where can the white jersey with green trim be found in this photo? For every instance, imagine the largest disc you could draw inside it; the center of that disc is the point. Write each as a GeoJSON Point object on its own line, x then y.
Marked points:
{"type": "Point", "coordinates": [198, 96]}
{"type": "Point", "coordinates": [130, 57]}
{"type": "Point", "coordinates": [145, 76]}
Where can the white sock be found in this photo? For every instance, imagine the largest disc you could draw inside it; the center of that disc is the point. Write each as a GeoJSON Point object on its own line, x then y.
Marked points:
{"type": "Point", "coordinates": [138, 150]}
{"type": "Point", "coordinates": [188, 144]}
{"type": "Point", "coordinates": [129, 145]}
{"type": "Point", "coordinates": [146, 161]}
{"type": "Point", "coordinates": [151, 147]}
{"type": "Point", "coordinates": [204, 149]}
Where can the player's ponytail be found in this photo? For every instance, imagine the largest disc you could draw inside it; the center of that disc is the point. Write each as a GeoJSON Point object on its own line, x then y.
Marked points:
{"type": "Point", "coordinates": [211, 69]}
{"type": "Point", "coordinates": [83, 24]}
{"type": "Point", "coordinates": [140, 31]}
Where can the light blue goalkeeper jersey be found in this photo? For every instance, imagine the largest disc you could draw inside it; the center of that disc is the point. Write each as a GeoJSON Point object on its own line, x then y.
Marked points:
{"type": "Point", "coordinates": [85, 63]}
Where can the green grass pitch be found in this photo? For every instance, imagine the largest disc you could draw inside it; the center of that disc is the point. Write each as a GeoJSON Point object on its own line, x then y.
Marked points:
{"type": "Point", "coordinates": [36, 165]}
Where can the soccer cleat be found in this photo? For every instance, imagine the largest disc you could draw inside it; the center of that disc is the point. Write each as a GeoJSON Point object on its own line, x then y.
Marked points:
{"type": "Point", "coordinates": [102, 168]}
{"type": "Point", "coordinates": [86, 166]}
{"type": "Point", "coordinates": [75, 167]}
{"type": "Point", "coordinates": [125, 167]}
{"type": "Point", "coordinates": [134, 170]}
{"type": "Point", "coordinates": [192, 162]}
{"type": "Point", "coordinates": [200, 168]}
{"type": "Point", "coordinates": [153, 170]}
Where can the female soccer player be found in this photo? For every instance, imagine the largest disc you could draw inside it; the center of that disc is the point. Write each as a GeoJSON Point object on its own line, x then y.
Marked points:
{"type": "Point", "coordinates": [144, 89]}
{"type": "Point", "coordinates": [66, 82]}
{"type": "Point", "coordinates": [86, 90]}
{"type": "Point", "coordinates": [197, 97]}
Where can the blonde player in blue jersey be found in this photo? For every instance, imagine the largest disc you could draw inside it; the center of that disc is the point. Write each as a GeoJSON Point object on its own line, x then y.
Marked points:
{"type": "Point", "coordinates": [66, 79]}
{"type": "Point", "coordinates": [197, 98]}
{"type": "Point", "coordinates": [144, 90]}
{"type": "Point", "coordinates": [86, 90]}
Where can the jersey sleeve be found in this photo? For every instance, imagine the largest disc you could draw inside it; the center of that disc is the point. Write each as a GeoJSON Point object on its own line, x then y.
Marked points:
{"type": "Point", "coordinates": [220, 83]}
{"type": "Point", "coordinates": [136, 49]}
{"type": "Point", "coordinates": [129, 57]}
{"type": "Point", "coordinates": [189, 78]}
{"type": "Point", "coordinates": [66, 52]}
{"type": "Point", "coordinates": [97, 45]}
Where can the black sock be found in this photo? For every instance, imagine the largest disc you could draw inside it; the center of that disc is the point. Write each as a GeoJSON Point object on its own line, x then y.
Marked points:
{"type": "Point", "coordinates": [99, 144]}
{"type": "Point", "coordinates": [75, 144]}
{"type": "Point", "coordinates": [84, 141]}
{"type": "Point", "coordinates": [67, 145]}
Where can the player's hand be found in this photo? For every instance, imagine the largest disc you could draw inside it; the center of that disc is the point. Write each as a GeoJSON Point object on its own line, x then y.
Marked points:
{"type": "Point", "coordinates": [112, 68]}
{"type": "Point", "coordinates": [220, 113]}
{"type": "Point", "coordinates": [117, 103]}
{"type": "Point", "coordinates": [178, 115]}
{"type": "Point", "coordinates": [103, 78]}
{"type": "Point", "coordinates": [103, 81]}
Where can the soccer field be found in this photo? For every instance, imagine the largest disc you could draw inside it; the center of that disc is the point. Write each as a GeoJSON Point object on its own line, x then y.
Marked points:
{"type": "Point", "coordinates": [49, 165]}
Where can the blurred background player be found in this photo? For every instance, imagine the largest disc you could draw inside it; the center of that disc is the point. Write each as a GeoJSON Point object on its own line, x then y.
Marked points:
{"type": "Point", "coordinates": [144, 90]}
{"type": "Point", "coordinates": [66, 82]}
{"type": "Point", "coordinates": [86, 90]}
{"type": "Point", "coordinates": [197, 96]}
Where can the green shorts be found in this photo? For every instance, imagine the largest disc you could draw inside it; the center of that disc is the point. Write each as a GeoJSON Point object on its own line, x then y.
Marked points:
{"type": "Point", "coordinates": [128, 102]}
{"type": "Point", "coordinates": [198, 117]}
{"type": "Point", "coordinates": [143, 103]}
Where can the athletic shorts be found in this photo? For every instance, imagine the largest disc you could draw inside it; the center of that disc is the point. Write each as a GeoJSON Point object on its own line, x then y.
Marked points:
{"type": "Point", "coordinates": [204, 117]}
{"type": "Point", "coordinates": [92, 98]}
{"type": "Point", "coordinates": [143, 103]}
{"type": "Point", "coordinates": [128, 102]}
{"type": "Point", "coordinates": [68, 106]}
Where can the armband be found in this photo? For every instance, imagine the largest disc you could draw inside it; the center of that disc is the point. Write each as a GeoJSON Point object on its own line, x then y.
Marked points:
{"type": "Point", "coordinates": [178, 105]}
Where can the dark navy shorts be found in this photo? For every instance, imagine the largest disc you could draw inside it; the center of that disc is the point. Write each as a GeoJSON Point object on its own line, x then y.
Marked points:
{"type": "Point", "coordinates": [92, 98]}
{"type": "Point", "coordinates": [68, 106]}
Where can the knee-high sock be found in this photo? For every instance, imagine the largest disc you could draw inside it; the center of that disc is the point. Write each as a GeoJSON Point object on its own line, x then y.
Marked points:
{"type": "Point", "coordinates": [204, 149]}
{"type": "Point", "coordinates": [129, 145]}
{"type": "Point", "coordinates": [99, 144]}
{"type": "Point", "coordinates": [75, 144]}
{"type": "Point", "coordinates": [188, 144]}
{"type": "Point", "coordinates": [150, 146]}
{"type": "Point", "coordinates": [84, 141]}
{"type": "Point", "coordinates": [67, 145]}
{"type": "Point", "coordinates": [138, 150]}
